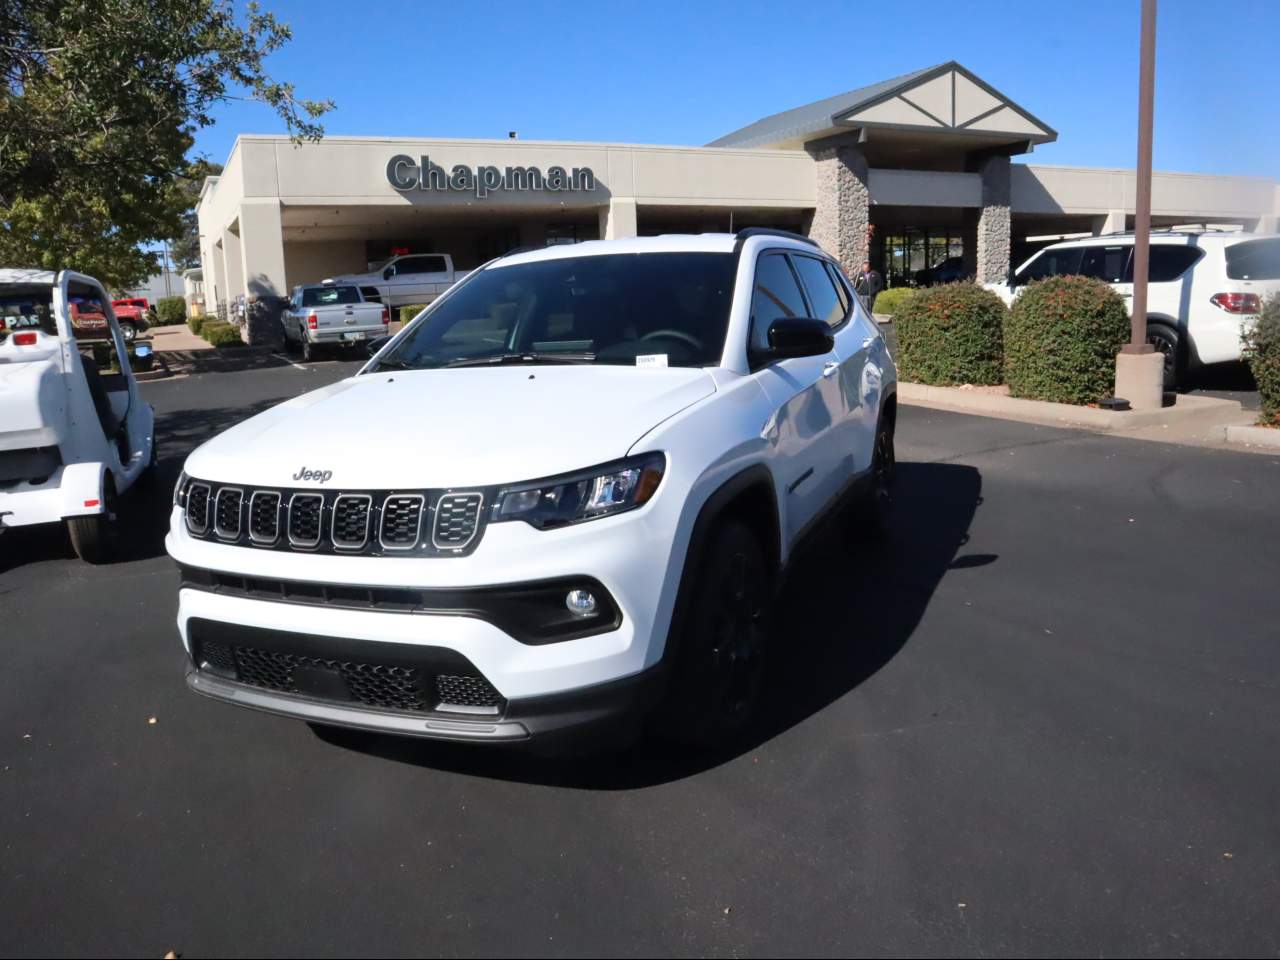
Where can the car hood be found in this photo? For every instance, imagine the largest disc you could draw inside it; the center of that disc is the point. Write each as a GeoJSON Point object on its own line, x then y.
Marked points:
{"type": "Point", "coordinates": [451, 428]}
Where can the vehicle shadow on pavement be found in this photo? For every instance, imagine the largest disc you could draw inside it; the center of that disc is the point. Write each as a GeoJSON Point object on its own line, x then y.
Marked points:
{"type": "Point", "coordinates": [847, 608]}
{"type": "Point", "coordinates": [144, 510]}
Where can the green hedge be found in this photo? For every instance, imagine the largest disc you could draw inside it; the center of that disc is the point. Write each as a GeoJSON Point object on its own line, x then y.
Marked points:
{"type": "Point", "coordinates": [170, 311]}
{"type": "Point", "coordinates": [891, 300]}
{"type": "Point", "coordinates": [1262, 351]}
{"type": "Point", "coordinates": [1061, 340]}
{"type": "Point", "coordinates": [222, 334]}
{"type": "Point", "coordinates": [196, 321]}
{"type": "Point", "coordinates": [408, 313]}
{"type": "Point", "coordinates": [952, 334]}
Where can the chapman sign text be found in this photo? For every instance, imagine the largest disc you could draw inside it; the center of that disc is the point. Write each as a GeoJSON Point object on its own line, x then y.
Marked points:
{"type": "Point", "coordinates": [404, 174]}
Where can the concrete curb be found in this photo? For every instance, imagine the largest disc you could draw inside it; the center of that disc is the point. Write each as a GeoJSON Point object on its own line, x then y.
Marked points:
{"type": "Point", "coordinates": [1247, 436]}
{"type": "Point", "coordinates": [1188, 411]}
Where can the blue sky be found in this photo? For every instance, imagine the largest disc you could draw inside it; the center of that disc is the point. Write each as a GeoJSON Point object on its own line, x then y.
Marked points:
{"type": "Point", "coordinates": [685, 73]}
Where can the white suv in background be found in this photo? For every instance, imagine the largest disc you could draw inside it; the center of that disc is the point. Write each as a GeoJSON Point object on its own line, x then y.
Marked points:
{"type": "Point", "coordinates": [1203, 288]}
{"type": "Point", "coordinates": [557, 502]}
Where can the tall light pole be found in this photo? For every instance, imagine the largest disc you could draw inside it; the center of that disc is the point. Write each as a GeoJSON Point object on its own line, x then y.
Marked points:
{"type": "Point", "coordinates": [1139, 370]}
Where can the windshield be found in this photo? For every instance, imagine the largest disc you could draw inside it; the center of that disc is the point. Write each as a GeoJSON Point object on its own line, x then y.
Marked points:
{"type": "Point", "coordinates": [324, 296]}
{"type": "Point", "coordinates": [30, 309]}
{"type": "Point", "coordinates": [615, 309]}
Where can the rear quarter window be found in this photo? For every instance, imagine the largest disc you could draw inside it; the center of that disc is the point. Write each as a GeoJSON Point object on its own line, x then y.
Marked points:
{"type": "Point", "coordinates": [1168, 262]}
{"type": "Point", "coordinates": [1254, 260]}
{"type": "Point", "coordinates": [328, 296]}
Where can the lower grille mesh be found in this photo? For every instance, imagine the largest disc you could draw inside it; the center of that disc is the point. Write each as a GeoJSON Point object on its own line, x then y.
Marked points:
{"type": "Point", "coordinates": [381, 685]}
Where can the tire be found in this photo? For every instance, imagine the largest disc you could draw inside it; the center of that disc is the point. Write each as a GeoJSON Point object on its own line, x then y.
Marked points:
{"type": "Point", "coordinates": [308, 350]}
{"type": "Point", "coordinates": [93, 537]}
{"type": "Point", "coordinates": [128, 331]}
{"type": "Point", "coordinates": [1167, 341]}
{"type": "Point", "coordinates": [874, 517]}
{"type": "Point", "coordinates": [720, 646]}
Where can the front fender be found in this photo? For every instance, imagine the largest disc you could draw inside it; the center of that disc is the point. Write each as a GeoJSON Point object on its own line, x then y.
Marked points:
{"type": "Point", "coordinates": [82, 489]}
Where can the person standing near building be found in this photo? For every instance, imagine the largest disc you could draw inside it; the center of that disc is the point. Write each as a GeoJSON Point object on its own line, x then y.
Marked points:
{"type": "Point", "coordinates": [868, 284]}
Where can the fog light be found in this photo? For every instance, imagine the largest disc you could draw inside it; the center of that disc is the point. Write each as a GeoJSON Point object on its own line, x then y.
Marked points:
{"type": "Point", "coordinates": [581, 603]}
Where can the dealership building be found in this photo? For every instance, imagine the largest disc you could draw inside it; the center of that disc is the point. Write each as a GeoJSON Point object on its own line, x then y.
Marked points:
{"type": "Point", "coordinates": [906, 173]}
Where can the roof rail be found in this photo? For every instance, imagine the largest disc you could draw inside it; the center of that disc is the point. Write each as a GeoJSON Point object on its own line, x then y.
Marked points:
{"type": "Point", "coordinates": [746, 233]}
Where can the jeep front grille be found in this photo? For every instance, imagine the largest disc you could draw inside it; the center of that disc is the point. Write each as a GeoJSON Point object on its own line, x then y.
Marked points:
{"type": "Point", "coordinates": [306, 515]}
{"type": "Point", "coordinates": [198, 508]}
{"type": "Point", "coordinates": [264, 516]}
{"type": "Point", "coordinates": [226, 512]}
{"type": "Point", "coordinates": [360, 522]}
{"type": "Point", "coordinates": [401, 520]}
{"type": "Point", "coordinates": [351, 521]}
{"type": "Point", "coordinates": [457, 517]}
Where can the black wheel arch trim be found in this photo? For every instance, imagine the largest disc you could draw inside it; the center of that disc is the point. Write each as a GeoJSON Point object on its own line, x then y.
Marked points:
{"type": "Point", "coordinates": [717, 506]}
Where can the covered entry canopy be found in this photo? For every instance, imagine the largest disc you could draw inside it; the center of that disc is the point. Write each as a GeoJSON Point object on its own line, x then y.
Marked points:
{"type": "Point", "coordinates": [906, 121]}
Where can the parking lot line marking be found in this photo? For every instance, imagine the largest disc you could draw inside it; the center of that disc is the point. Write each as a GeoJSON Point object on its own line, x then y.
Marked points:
{"type": "Point", "coordinates": [281, 356]}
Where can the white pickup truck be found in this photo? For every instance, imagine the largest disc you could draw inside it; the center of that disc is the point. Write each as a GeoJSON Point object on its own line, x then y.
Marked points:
{"type": "Point", "coordinates": [409, 279]}
{"type": "Point", "coordinates": [333, 315]}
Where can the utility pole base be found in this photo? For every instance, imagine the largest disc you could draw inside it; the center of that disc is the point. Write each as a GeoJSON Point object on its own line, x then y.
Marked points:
{"type": "Point", "coordinates": [1140, 379]}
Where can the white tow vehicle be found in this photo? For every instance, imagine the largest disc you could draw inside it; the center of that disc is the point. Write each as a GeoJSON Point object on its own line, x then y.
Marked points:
{"type": "Point", "coordinates": [73, 438]}
{"type": "Point", "coordinates": [409, 279]}
{"type": "Point", "coordinates": [557, 503]}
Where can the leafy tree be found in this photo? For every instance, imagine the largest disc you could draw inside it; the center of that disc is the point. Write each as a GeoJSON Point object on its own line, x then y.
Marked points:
{"type": "Point", "coordinates": [99, 103]}
{"type": "Point", "coordinates": [184, 248]}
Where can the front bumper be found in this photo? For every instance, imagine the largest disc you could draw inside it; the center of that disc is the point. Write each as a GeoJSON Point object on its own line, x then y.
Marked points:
{"type": "Point", "coordinates": [601, 713]}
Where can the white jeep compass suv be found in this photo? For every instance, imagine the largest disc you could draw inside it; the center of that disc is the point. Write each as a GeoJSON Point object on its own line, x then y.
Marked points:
{"type": "Point", "coordinates": [557, 502]}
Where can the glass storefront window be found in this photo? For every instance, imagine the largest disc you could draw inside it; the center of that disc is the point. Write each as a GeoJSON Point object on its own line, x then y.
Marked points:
{"type": "Point", "coordinates": [907, 251]}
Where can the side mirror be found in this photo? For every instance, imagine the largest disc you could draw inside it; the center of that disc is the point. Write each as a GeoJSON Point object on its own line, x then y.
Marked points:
{"type": "Point", "coordinates": [799, 337]}
{"type": "Point", "coordinates": [388, 273]}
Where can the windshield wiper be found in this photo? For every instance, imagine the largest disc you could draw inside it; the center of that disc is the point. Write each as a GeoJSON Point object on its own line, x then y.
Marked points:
{"type": "Point", "coordinates": [392, 364]}
{"type": "Point", "coordinates": [494, 360]}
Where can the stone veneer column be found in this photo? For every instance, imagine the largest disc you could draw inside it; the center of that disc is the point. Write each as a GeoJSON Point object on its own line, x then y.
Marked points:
{"type": "Point", "coordinates": [994, 225]}
{"type": "Point", "coordinates": [842, 213]}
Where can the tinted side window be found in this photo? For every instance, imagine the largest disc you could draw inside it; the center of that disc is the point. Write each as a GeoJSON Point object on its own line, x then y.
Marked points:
{"type": "Point", "coordinates": [1254, 260]}
{"type": "Point", "coordinates": [823, 298]}
{"type": "Point", "coordinates": [1052, 263]}
{"type": "Point", "coordinates": [1108, 264]}
{"type": "Point", "coordinates": [419, 265]}
{"type": "Point", "coordinates": [776, 297]}
{"type": "Point", "coordinates": [841, 290]}
{"type": "Point", "coordinates": [1169, 262]}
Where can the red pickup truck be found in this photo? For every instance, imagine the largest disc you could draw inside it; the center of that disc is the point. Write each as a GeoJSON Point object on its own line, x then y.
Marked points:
{"type": "Point", "coordinates": [134, 316]}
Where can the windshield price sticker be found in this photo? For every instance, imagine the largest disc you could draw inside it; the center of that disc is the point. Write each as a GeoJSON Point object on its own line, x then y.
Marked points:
{"type": "Point", "coordinates": [651, 360]}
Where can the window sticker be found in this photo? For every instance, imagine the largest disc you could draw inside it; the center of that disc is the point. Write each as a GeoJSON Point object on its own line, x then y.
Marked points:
{"type": "Point", "coordinates": [651, 360]}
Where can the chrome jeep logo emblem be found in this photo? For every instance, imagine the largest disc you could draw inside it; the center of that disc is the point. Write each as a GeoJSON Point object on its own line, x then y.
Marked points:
{"type": "Point", "coordinates": [320, 476]}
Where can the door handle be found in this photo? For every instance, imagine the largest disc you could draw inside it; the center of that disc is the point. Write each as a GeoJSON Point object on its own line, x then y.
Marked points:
{"type": "Point", "coordinates": [830, 368]}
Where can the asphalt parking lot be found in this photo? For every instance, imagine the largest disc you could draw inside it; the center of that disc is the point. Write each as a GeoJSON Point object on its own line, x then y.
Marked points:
{"type": "Point", "coordinates": [1043, 721]}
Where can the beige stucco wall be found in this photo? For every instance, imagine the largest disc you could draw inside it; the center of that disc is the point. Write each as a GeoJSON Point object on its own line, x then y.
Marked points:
{"type": "Point", "coordinates": [312, 262]}
{"type": "Point", "coordinates": [1043, 189]}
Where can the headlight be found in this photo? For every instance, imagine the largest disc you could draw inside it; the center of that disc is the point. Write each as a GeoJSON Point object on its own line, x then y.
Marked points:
{"type": "Point", "coordinates": [180, 489]}
{"type": "Point", "coordinates": [599, 492]}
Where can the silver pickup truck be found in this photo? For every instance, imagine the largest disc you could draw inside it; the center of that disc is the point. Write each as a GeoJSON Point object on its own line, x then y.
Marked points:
{"type": "Point", "coordinates": [333, 315]}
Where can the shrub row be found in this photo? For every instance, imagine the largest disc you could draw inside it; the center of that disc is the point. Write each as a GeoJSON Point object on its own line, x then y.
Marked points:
{"type": "Point", "coordinates": [170, 311]}
{"type": "Point", "coordinates": [221, 334]}
{"type": "Point", "coordinates": [889, 301]}
{"type": "Point", "coordinates": [198, 320]}
{"type": "Point", "coordinates": [408, 313]}
{"type": "Point", "coordinates": [1061, 340]}
{"type": "Point", "coordinates": [950, 335]}
{"type": "Point", "coordinates": [1058, 343]}
{"type": "Point", "coordinates": [1262, 351]}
